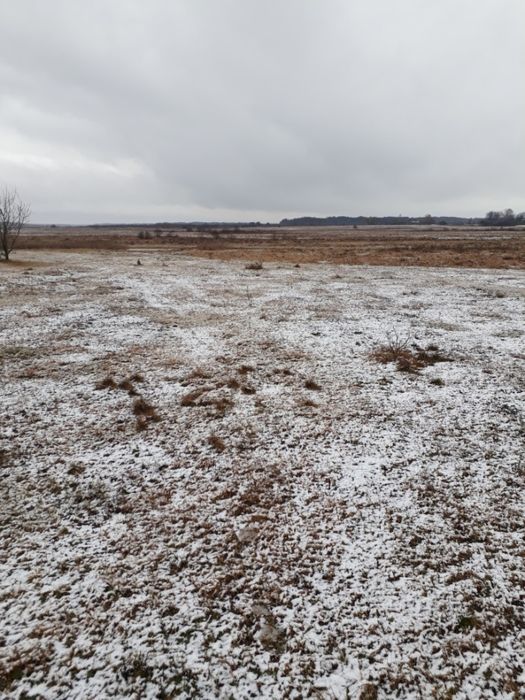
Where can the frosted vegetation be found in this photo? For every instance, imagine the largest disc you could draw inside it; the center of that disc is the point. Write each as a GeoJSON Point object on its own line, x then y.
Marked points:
{"type": "Point", "coordinates": [281, 482]}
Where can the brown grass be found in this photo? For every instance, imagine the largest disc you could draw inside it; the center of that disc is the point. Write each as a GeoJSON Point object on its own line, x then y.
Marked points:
{"type": "Point", "coordinates": [407, 359]}
{"type": "Point", "coordinates": [197, 373]}
{"type": "Point", "coordinates": [312, 385]}
{"type": "Point", "coordinates": [421, 246]}
{"type": "Point", "coordinates": [3, 458]}
{"type": "Point", "coordinates": [127, 385]}
{"type": "Point", "coordinates": [307, 403]}
{"type": "Point", "coordinates": [144, 413]}
{"type": "Point", "coordinates": [191, 398]}
{"type": "Point", "coordinates": [106, 383]}
{"type": "Point", "coordinates": [245, 369]}
{"type": "Point", "coordinates": [217, 443]}
{"type": "Point", "coordinates": [247, 389]}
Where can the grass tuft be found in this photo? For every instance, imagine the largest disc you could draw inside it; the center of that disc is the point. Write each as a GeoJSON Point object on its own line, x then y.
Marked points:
{"type": "Point", "coordinates": [106, 383]}
{"type": "Point", "coordinates": [312, 385]}
{"type": "Point", "coordinates": [217, 443]}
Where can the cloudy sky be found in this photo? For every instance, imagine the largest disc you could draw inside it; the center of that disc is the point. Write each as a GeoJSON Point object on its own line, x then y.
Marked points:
{"type": "Point", "coordinates": [127, 110]}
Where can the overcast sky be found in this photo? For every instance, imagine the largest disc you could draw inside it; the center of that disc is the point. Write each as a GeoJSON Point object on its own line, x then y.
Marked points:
{"type": "Point", "coordinates": [135, 110]}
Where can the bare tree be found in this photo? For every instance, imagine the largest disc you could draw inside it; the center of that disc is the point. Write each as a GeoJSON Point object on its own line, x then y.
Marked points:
{"type": "Point", "coordinates": [13, 215]}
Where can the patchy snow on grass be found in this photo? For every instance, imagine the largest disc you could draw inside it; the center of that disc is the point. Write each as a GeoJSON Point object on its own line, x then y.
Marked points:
{"type": "Point", "coordinates": [210, 487]}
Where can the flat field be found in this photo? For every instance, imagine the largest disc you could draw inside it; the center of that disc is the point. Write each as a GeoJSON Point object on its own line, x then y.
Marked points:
{"type": "Point", "coordinates": [299, 481]}
{"type": "Point", "coordinates": [430, 246]}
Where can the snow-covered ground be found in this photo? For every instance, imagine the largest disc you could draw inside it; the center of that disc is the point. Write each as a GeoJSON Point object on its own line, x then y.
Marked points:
{"type": "Point", "coordinates": [237, 534]}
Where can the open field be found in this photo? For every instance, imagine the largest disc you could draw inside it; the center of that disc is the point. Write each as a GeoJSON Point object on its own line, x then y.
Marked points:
{"type": "Point", "coordinates": [288, 483]}
{"type": "Point", "coordinates": [409, 246]}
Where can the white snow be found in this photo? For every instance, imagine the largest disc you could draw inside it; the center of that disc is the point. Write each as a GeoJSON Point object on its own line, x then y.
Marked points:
{"type": "Point", "coordinates": [260, 539]}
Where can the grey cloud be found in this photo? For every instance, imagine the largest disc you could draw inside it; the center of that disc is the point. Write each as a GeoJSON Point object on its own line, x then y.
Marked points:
{"type": "Point", "coordinates": [245, 109]}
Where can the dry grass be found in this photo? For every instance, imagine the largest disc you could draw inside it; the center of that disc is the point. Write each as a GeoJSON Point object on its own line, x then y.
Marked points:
{"type": "Point", "coordinates": [368, 692]}
{"type": "Point", "coordinates": [312, 385]}
{"type": "Point", "coordinates": [307, 403]}
{"type": "Point", "coordinates": [127, 385]}
{"type": "Point", "coordinates": [192, 397]}
{"type": "Point", "coordinates": [407, 356]}
{"type": "Point", "coordinates": [106, 383]}
{"type": "Point", "coordinates": [245, 369]}
{"type": "Point", "coordinates": [217, 443]}
{"type": "Point", "coordinates": [197, 373]}
{"type": "Point", "coordinates": [4, 458]}
{"type": "Point", "coordinates": [435, 247]}
{"type": "Point", "coordinates": [144, 412]}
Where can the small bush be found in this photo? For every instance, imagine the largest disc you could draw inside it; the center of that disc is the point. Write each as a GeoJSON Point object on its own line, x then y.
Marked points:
{"type": "Point", "coordinates": [254, 266]}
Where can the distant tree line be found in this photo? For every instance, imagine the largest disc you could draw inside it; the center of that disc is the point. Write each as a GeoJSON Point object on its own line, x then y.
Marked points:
{"type": "Point", "coordinates": [503, 218]}
{"type": "Point", "coordinates": [377, 220]}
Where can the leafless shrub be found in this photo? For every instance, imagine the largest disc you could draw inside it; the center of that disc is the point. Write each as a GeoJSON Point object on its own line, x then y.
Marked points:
{"type": "Point", "coordinates": [14, 213]}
